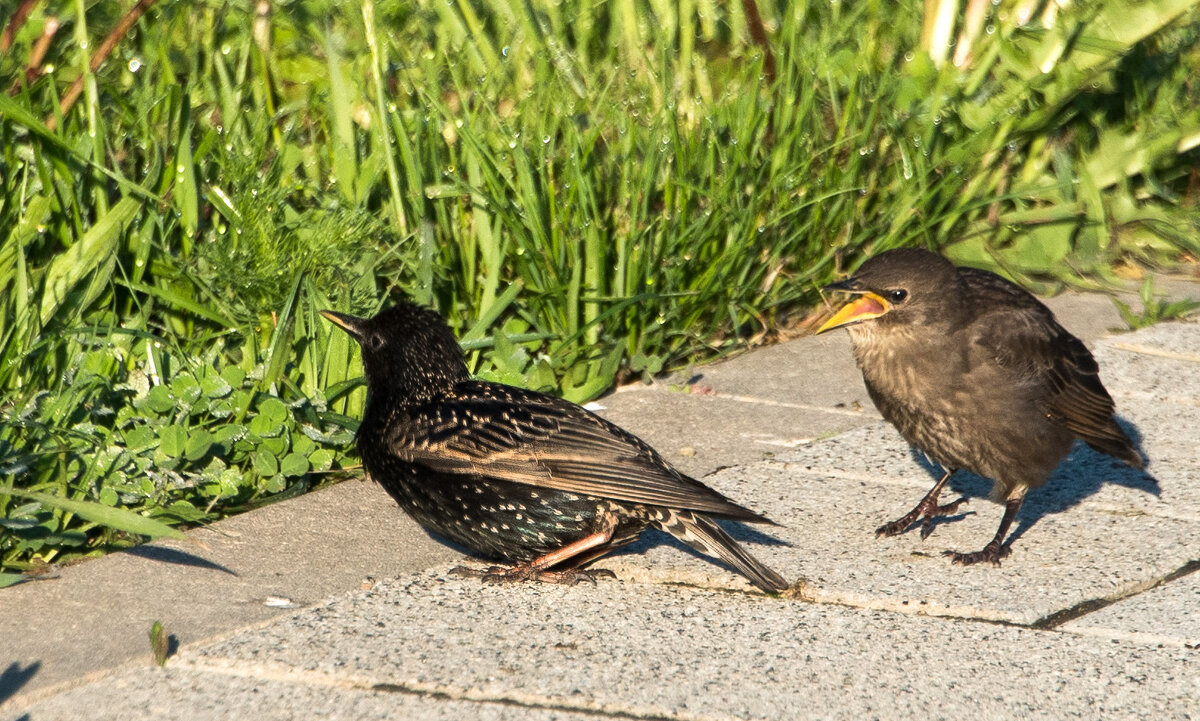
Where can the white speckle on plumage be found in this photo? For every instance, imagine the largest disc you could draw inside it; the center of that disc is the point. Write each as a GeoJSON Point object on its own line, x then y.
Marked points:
{"type": "Point", "coordinates": [430, 432]}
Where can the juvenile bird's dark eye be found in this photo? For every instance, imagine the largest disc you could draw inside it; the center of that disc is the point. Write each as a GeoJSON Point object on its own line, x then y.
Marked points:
{"type": "Point", "coordinates": [898, 295]}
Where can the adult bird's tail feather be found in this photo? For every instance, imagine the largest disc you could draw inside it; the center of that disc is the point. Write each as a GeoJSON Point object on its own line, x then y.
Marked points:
{"type": "Point", "coordinates": [703, 534]}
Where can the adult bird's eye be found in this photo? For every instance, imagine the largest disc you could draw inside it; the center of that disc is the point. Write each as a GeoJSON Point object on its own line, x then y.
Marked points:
{"type": "Point", "coordinates": [898, 295]}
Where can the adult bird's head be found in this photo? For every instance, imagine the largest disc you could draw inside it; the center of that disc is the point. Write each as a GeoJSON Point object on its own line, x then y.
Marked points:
{"type": "Point", "coordinates": [900, 288]}
{"type": "Point", "coordinates": [408, 351]}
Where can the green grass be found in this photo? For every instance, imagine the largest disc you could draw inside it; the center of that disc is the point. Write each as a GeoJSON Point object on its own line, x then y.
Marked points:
{"type": "Point", "coordinates": [589, 192]}
{"type": "Point", "coordinates": [1154, 310]}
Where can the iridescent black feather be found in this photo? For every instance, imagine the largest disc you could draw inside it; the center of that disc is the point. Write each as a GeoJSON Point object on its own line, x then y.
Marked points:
{"type": "Point", "coordinates": [511, 473]}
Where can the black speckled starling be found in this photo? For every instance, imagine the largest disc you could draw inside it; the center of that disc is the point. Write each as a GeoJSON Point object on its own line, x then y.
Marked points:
{"type": "Point", "coordinates": [517, 475]}
{"type": "Point", "coordinates": [977, 374]}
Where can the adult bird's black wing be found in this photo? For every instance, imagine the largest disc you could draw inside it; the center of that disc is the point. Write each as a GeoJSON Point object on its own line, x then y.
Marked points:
{"type": "Point", "coordinates": [1022, 336]}
{"type": "Point", "coordinates": [526, 437]}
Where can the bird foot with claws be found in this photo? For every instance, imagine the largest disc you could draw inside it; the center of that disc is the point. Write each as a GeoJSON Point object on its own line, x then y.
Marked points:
{"type": "Point", "coordinates": [525, 572]}
{"type": "Point", "coordinates": [928, 510]}
{"type": "Point", "coordinates": [991, 553]}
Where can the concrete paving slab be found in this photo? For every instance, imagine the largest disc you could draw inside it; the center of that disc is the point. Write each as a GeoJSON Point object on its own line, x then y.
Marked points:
{"type": "Point", "coordinates": [182, 694]}
{"type": "Point", "coordinates": [250, 568]}
{"type": "Point", "coordinates": [1142, 376]}
{"type": "Point", "coordinates": [624, 650]}
{"type": "Point", "coordinates": [1060, 560]}
{"type": "Point", "coordinates": [1164, 615]}
{"type": "Point", "coordinates": [816, 371]}
{"type": "Point", "coordinates": [874, 452]}
{"type": "Point", "coordinates": [1157, 363]}
{"type": "Point", "coordinates": [699, 434]}
{"type": "Point", "coordinates": [1178, 339]}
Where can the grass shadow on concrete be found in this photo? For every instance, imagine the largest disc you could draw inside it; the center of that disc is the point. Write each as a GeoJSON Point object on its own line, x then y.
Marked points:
{"type": "Point", "coordinates": [162, 554]}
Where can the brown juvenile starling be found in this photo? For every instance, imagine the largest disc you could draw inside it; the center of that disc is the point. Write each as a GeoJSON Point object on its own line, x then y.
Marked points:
{"type": "Point", "coordinates": [977, 374]}
{"type": "Point", "coordinates": [518, 475]}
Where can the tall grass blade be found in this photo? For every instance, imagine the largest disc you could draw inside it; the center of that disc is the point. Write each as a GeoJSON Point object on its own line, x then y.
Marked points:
{"type": "Point", "coordinates": [93, 249]}
{"type": "Point", "coordinates": [116, 518]}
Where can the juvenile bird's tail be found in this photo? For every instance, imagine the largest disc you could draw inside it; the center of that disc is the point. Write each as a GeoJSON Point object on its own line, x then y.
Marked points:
{"type": "Point", "coordinates": [703, 534]}
{"type": "Point", "coordinates": [1121, 451]}
{"type": "Point", "coordinates": [1113, 440]}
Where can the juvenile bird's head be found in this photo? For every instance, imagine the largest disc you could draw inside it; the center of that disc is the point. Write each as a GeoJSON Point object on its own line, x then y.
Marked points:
{"type": "Point", "coordinates": [902, 289]}
{"type": "Point", "coordinates": [408, 351]}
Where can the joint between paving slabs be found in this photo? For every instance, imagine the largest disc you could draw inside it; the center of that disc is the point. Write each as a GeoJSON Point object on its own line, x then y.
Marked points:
{"type": "Point", "coordinates": [1083, 608]}
{"type": "Point", "coordinates": [1156, 352]}
{"type": "Point", "coordinates": [832, 410]}
{"type": "Point", "coordinates": [800, 590]}
{"type": "Point", "coordinates": [863, 412]}
{"type": "Point", "coordinates": [547, 705]}
{"type": "Point", "coordinates": [288, 674]}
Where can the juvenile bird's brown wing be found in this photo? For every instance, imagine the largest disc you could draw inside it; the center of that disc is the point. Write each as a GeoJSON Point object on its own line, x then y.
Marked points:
{"type": "Point", "coordinates": [1022, 336]}
{"type": "Point", "coordinates": [526, 437]}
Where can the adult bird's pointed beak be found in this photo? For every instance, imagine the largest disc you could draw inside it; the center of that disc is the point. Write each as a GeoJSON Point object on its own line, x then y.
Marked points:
{"type": "Point", "coordinates": [866, 306]}
{"type": "Point", "coordinates": [348, 323]}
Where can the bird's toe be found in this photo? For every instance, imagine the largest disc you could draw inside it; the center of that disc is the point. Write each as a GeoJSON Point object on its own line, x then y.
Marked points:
{"type": "Point", "coordinates": [893, 528]}
{"type": "Point", "coordinates": [469, 572]}
{"type": "Point", "coordinates": [992, 553]}
{"type": "Point", "coordinates": [947, 509]}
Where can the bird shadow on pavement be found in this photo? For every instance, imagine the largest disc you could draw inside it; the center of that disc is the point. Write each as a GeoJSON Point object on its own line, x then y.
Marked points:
{"type": "Point", "coordinates": [1082, 474]}
{"type": "Point", "coordinates": [14, 677]}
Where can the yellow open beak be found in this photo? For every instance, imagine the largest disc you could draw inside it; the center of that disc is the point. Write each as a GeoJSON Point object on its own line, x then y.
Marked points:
{"type": "Point", "coordinates": [865, 307]}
